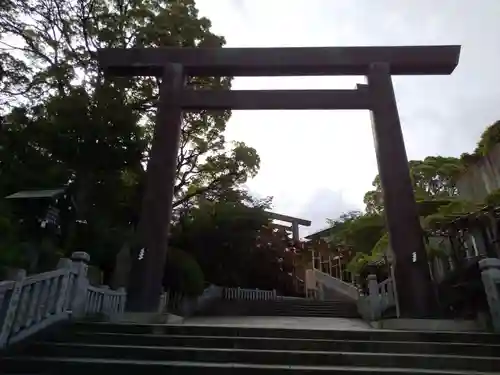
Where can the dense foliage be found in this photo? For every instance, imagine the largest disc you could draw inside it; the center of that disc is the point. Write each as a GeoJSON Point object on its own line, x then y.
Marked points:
{"type": "Point", "coordinates": [65, 125]}
{"type": "Point", "coordinates": [435, 187]}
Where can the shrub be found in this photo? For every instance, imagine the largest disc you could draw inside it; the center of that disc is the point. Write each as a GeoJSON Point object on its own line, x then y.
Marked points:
{"type": "Point", "coordinates": [183, 273]}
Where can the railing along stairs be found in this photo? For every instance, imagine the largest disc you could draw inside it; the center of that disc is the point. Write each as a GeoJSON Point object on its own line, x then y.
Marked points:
{"type": "Point", "coordinates": [371, 305]}
{"type": "Point", "coordinates": [31, 303]}
{"type": "Point", "coordinates": [249, 294]}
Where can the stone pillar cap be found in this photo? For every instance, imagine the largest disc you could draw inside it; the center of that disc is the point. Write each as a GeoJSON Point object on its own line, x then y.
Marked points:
{"type": "Point", "coordinates": [80, 256]}
{"type": "Point", "coordinates": [489, 263]}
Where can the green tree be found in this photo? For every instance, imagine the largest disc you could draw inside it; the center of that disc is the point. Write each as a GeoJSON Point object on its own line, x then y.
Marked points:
{"type": "Point", "coordinates": [357, 231]}
{"type": "Point", "coordinates": [489, 139]}
{"type": "Point", "coordinates": [433, 178]}
{"type": "Point", "coordinates": [221, 234]}
{"type": "Point", "coordinates": [183, 274]}
{"type": "Point", "coordinates": [231, 239]}
{"type": "Point", "coordinates": [65, 124]}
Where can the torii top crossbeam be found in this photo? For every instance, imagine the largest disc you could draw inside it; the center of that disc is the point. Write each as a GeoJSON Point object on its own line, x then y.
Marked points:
{"type": "Point", "coordinates": [290, 61]}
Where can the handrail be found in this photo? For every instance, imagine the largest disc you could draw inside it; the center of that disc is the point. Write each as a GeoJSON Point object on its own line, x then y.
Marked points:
{"type": "Point", "coordinates": [29, 304]}
{"type": "Point", "coordinates": [340, 286]}
{"type": "Point", "coordinates": [371, 305]}
{"type": "Point", "coordinates": [248, 294]}
{"type": "Point", "coordinates": [180, 304]}
{"type": "Point", "coordinates": [105, 301]}
{"type": "Point", "coordinates": [380, 297]}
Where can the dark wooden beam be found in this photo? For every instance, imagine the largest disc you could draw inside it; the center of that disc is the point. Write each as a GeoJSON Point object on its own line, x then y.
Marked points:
{"type": "Point", "coordinates": [288, 219]}
{"type": "Point", "coordinates": [195, 100]}
{"type": "Point", "coordinates": [288, 228]}
{"type": "Point", "coordinates": [320, 234]}
{"type": "Point", "coordinates": [293, 61]}
{"type": "Point", "coordinates": [414, 286]}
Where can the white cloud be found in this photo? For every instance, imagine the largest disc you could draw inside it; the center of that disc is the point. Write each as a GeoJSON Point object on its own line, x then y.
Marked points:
{"type": "Point", "coordinates": [305, 154]}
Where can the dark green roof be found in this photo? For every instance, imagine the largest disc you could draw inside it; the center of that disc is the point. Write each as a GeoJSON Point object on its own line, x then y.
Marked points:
{"type": "Point", "coordinates": [32, 194]}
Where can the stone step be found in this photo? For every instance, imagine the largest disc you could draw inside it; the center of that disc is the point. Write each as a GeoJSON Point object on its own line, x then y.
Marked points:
{"type": "Point", "coordinates": [304, 309]}
{"type": "Point", "coordinates": [344, 310]}
{"type": "Point", "coordinates": [334, 313]}
{"type": "Point", "coordinates": [271, 343]}
{"type": "Point", "coordinates": [367, 335]}
{"type": "Point", "coordinates": [282, 306]}
{"type": "Point", "coordinates": [264, 357]}
{"type": "Point", "coordinates": [287, 304]}
{"type": "Point", "coordinates": [285, 308]}
{"type": "Point", "coordinates": [284, 313]}
{"type": "Point", "coordinates": [84, 366]}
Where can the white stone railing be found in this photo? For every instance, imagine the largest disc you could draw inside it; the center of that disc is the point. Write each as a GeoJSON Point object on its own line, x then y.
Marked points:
{"type": "Point", "coordinates": [104, 301]}
{"type": "Point", "coordinates": [213, 292]}
{"type": "Point", "coordinates": [380, 297]}
{"type": "Point", "coordinates": [371, 305]}
{"type": "Point", "coordinates": [29, 304]}
{"type": "Point", "coordinates": [329, 282]}
{"type": "Point", "coordinates": [248, 294]}
{"type": "Point", "coordinates": [490, 275]}
{"type": "Point", "coordinates": [171, 302]}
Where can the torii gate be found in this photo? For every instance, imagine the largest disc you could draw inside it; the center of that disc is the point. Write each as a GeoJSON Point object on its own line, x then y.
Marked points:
{"type": "Point", "coordinates": [378, 64]}
{"type": "Point", "coordinates": [294, 221]}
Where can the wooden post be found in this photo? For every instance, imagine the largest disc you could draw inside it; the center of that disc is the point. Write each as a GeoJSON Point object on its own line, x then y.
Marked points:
{"type": "Point", "coordinates": [295, 231]}
{"type": "Point", "coordinates": [405, 233]}
{"type": "Point", "coordinates": [148, 260]}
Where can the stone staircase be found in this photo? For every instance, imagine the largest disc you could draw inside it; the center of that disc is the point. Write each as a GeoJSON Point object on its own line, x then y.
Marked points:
{"type": "Point", "coordinates": [86, 348]}
{"type": "Point", "coordinates": [294, 307]}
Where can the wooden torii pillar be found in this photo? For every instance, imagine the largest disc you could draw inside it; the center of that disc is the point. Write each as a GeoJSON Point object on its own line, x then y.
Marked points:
{"type": "Point", "coordinates": [378, 64]}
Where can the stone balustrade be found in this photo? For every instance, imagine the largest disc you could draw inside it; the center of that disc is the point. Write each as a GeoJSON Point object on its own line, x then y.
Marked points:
{"type": "Point", "coordinates": [185, 305]}
{"type": "Point", "coordinates": [327, 282]}
{"type": "Point", "coordinates": [380, 297]}
{"type": "Point", "coordinates": [490, 275]}
{"type": "Point", "coordinates": [371, 306]}
{"type": "Point", "coordinates": [248, 294]}
{"type": "Point", "coordinates": [29, 304]}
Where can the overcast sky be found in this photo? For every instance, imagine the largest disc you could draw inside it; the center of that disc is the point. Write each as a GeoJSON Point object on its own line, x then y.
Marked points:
{"type": "Point", "coordinates": [318, 164]}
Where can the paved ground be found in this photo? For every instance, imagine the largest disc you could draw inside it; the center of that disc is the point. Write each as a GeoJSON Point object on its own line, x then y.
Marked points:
{"type": "Point", "coordinates": [281, 322]}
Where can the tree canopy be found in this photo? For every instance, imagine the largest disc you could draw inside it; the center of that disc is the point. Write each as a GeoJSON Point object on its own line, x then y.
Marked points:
{"type": "Point", "coordinates": [65, 124]}
{"type": "Point", "coordinates": [435, 187]}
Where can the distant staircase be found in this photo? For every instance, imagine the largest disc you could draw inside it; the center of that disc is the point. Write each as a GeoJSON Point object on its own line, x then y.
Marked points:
{"type": "Point", "coordinates": [283, 307]}
{"type": "Point", "coordinates": [95, 348]}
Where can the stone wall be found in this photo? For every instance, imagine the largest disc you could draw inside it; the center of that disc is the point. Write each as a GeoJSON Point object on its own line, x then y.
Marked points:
{"type": "Point", "coordinates": [482, 178]}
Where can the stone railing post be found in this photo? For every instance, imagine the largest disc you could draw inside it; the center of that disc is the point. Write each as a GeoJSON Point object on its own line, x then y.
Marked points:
{"type": "Point", "coordinates": [373, 296]}
{"type": "Point", "coordinates": [123, 300]}
{"type": "Point", "coordinates": [106, 302]}
{"type": "Point", "coordinates": [321, 292]}
{"type": "Point", "coordinates": [11, 308]}
{"type": "Point", "coordinates": [79, 294]}
{"type": "Point", "coordinates": [64, 263]}
{"type": "Point", "coordinates": [490, 275]}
